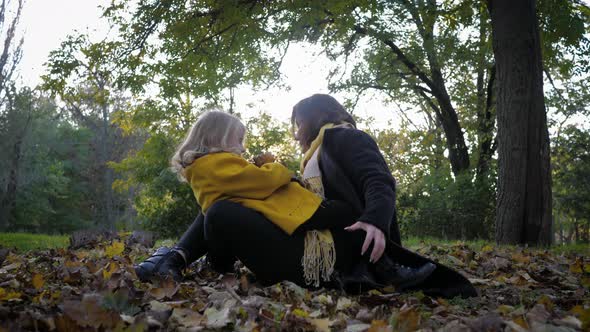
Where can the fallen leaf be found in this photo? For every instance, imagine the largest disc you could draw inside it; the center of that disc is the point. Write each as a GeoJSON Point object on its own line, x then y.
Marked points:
{"type": "Point", "coordinates": [321, 325]}
{"type": "Point", "coordinates": [487, 248]}
{"type": "Point", "coordinates": [9, 295]}
{"type": "Point", "coordinates": [379, 326]}
{"type": "Point", "coordinates": [116, 248]}
{"type": "Point", "coordinates": [111, 268]}
{"type": "Point", "coordinates": [407, 319]}
{"type": "Point", "coordinates": [300, 313]}
{"type": "Point", "coordinates": [166, 289]}
{"type": "Point", "coordinates": [343, 303]}
{"type": "Point", "coordinates": [187, 317]}
{"type": "Point", "coordinates": [357, 327]}
{"type": "Point", "coordinates": [37, 281]}
{"type": "Point", "coordinates": [217, 319]}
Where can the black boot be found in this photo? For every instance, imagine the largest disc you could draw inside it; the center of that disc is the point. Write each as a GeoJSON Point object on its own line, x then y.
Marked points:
{"type": "Point", "coordinates": [164, 262]}
{"type": "Point", "coordinates": [402, 277]}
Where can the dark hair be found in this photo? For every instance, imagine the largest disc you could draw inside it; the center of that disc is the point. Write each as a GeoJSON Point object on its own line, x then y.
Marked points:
{"type": "Point", "coordinates": [314, 112]}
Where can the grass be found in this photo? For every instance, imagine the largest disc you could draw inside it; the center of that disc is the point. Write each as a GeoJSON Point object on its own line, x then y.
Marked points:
{"type": "Point", "coordinates": [27, 242]}
{"type": "Point", "coordinates": [476, 245]}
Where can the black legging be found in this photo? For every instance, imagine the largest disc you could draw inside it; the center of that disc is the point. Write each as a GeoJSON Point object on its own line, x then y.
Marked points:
{"type": "Point", "coordinates": [230, 231]}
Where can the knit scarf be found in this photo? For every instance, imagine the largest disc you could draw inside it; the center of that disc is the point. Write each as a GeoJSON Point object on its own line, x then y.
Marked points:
{"type": "Point", "coordinates": [319, 255]}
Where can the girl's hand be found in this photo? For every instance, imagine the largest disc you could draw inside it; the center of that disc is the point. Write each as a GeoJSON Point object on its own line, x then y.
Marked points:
{"type": "Point", "coordinates": [374, 235]}
{"type": "Point", "coordinates": [264, 158]}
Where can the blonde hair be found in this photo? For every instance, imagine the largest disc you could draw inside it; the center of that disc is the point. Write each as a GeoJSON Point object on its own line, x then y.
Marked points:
{"type": "Point", "coordinates": [214, 131]}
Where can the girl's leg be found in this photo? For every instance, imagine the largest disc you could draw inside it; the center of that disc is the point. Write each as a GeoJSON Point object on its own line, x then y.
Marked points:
{"type": "Point", "coordinates": [192, 243]}
{"type": "Point", "coordinates": [166, 261]}
{"type": "Point", "coordinates": [332, 214]}
{"type": "Point", "coordinates": [234, 231]}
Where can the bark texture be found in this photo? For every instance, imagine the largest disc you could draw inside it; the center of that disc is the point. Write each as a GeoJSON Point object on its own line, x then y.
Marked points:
{"type": "Point", "coordinates": [524, 179]}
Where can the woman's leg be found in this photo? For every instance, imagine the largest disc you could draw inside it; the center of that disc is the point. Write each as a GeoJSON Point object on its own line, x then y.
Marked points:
{"type": "Point", "coordinates": [234, 231]}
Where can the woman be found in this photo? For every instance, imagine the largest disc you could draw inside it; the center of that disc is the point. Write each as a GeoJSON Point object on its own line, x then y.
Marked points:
{"type": "Point", "coordinates": [340, 163]}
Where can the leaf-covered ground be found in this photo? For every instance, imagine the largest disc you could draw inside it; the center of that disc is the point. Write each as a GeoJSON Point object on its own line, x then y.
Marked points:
{"type": "Point", "coordinates": [96, 289]}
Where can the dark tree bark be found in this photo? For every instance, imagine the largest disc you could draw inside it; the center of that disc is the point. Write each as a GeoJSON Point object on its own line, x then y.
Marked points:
{"type": "Point", "coordinates": [523, 212]}
{"type": "Point", "coordinates": [8, 202]}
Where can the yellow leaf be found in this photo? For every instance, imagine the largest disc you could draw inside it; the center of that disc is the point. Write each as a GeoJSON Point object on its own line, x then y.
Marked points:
{"type": "Point", "coordinates": [389, 289]}
{"type": "Point", "coordinates": [116, 248]}
{"type": "Point", "coordinates": [487, 248]}
{"type": "Point", "coordinates": [379, 326]}
{"type": "Point", "coordinates": [520, 258]}
{"type": "Point", "coordinates": [583, 315]}
{"type": "Point", "coordinates": [82, 254]}
{"type": "Point", "coordinates": [300, 313]}
{"type": "Point", "coordinates": [576, 267]}
{"type": "Point", "coordinates": [5, 296]}
{"type": "Point", "coordinates": [375, 292]}
{"type": "Point", "coordinates": [109, 270]}
{"type": "Point", "coordinates": [505, 309]}
{"type": "Point", "coordinates": [521, 322]}
{"type": "Point", "coordinates": [546, 301]}
{"type": "Point", "coordinates": [38, 281]}
{"type": "Point", "coordinates": [406, 320]}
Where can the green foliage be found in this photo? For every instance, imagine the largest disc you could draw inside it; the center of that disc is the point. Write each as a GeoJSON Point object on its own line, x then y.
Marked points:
{"type": "Point", "coordinates": [441, 207]}
{"type": "Point", "coordinates": [27, 241]}
{"type": "Point", "coordinates": [431, 202]}
{"type": "Point", "coordinates": [265, 134]}
{"type": "Point", "coordinates": [571, 182]}
{"type": "Point", "coordinates": [52, 194]}
{"type": "Point", "coordinates": [163, 203]}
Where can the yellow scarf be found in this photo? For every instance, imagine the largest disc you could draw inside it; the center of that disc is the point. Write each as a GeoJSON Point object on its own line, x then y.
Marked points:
{"type": "Point", "coordinates": [319, 256]}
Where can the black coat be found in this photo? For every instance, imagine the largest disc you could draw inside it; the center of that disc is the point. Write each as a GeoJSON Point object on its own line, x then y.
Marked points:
{"type": "Point", "coordinates": [354, 171]}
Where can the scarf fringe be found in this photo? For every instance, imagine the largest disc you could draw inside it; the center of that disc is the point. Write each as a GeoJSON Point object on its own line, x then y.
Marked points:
{"type": "Point", "coordinates": [319, 253]}
{"type": "Point", "coordinates": [319, 257]}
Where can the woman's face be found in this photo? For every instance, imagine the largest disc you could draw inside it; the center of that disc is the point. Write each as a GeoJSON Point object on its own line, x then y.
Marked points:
{"type": "Point", "coordinates": [298, 134]}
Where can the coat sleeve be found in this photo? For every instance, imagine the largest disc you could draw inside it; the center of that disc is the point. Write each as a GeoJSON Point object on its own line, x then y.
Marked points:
{"type": "Point", "coordinates": [239, 178]}
{"type": "Point", "coordinates": [359, 157]}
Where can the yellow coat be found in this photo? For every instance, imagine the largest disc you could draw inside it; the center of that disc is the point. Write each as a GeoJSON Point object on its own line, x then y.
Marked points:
{"type": "Point", "coordinates": [267, 189]}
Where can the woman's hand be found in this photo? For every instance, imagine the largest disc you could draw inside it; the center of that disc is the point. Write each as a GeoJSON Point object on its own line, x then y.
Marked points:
{"type": "Point", "coordinates": [374, 235]}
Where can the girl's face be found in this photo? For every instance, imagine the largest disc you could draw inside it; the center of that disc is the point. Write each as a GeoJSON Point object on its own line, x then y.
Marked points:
{"type": "Point", "coordinates": [238, 139]}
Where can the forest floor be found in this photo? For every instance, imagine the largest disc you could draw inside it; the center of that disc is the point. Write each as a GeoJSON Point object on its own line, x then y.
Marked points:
{"type": "Point", "coordinates": [96, 289]}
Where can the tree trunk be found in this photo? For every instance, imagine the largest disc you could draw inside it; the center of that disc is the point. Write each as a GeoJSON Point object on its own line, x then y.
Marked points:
{"type": "Point", "coordinates": [105, 156]}
{"type": "Point", "coordinates": [8, 205]}
{"type": "Point", "coordinates": [523, 211]}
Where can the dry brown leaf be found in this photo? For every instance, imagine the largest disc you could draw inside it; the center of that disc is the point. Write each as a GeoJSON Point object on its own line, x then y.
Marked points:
{"type": "Point", "coordinates": [37, 281]}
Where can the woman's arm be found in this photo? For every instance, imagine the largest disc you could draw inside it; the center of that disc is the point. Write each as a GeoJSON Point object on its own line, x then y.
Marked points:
{"type": "Point", "coordinates": [359, 157]}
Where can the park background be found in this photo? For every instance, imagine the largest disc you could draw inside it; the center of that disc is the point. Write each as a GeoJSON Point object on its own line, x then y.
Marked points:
{"type": "Point", "coordinates": [480, 109]}
{"type": "Point", "coordinates": [96, 95]}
